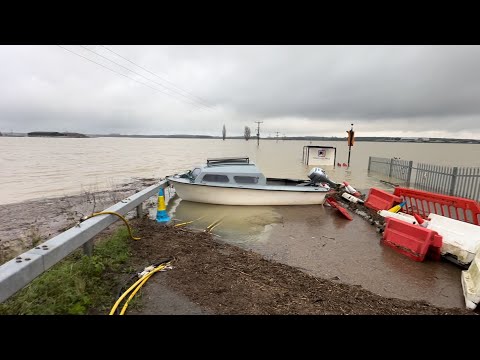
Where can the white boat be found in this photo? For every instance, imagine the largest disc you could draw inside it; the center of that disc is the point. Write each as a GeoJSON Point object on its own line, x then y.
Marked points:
{"type": "Point", "coordinates": [237, 181]}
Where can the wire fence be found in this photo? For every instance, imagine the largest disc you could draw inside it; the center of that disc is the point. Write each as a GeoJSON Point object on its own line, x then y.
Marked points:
{"type": "Point", "coordinates": [450, 180]}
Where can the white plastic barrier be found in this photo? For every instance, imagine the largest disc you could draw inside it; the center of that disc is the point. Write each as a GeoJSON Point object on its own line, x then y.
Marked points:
{"type": "Point", "coordinates": [460, 239]}
{"type": "Point", "coordinates": [399, 216]}
{"type": "Point", "coordinates": [471, 283]}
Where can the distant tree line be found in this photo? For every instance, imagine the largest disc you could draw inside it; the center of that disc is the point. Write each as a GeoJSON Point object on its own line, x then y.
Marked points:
{"type": "Point", "coordinates": [55, 134]}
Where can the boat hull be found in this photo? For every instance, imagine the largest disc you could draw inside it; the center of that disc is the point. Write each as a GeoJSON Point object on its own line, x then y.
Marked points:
{"type": "Point", "coordinates": [245, 196]}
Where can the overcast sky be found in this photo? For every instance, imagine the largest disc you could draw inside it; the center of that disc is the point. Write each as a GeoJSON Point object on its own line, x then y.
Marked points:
{"type": "Point", "coordinates": [295, 90]}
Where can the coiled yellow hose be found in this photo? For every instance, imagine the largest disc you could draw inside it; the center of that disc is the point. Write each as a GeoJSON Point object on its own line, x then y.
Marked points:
{"type": "Point", "coordinates": [117, 214]}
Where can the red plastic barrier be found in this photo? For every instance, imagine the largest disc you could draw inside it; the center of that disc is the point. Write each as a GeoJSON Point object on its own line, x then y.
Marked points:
{"type": "Point", "coordinates": [425, 202]}
{"type": "Point", "coordinates": [412, 240]}
{"type": "Point", "coordinates": [333, 203]}
{"type": "Point", "coordinates": [381, 200]}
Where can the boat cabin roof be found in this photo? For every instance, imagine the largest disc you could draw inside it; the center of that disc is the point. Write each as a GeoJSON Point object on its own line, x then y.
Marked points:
{"type": "Point", "coordinates": [241, 165]}
{"type": "Point", "coordinates": [225, 161]}
{"type": "Point", "coordinates": [231, 170]}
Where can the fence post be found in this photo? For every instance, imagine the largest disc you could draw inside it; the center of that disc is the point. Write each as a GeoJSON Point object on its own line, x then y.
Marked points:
{"type": "Point", "coordinates": [88, 248]}
{"type": "Point", "coordinates": [140, 212]}
{"type": "Point", "coordinates": [454, 180]}
{"type": "Point", "coordinates": [369, 162]}
{"type": "Point", "coordinates": [390, 172]}
{"type": "Point", "coordinates": [409, 172]}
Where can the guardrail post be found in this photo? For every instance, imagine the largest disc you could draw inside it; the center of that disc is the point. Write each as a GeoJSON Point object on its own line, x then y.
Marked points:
{"type": "Point", "coordinates": [454, 180]}
{"type": "Point", "coordinates": [140, 212]}
{"type": "Point", "coordinates": [390, 172]}
{"type": "Point", "coordinates": [409, 172]}
{"type": "Point", "coordinates": [369, 162]}
{"type": "Point", "coordinates": [88, 248]}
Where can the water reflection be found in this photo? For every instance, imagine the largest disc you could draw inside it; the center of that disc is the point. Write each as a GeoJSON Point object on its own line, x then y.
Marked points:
{"type": "Point", "coordinates": [241, 225]}
{"type": "Point", "coordinates": [427, 275]}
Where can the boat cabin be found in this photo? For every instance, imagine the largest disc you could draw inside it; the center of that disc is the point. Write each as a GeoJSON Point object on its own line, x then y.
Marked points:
{"type": "Point", "coordinates": [237, 171]}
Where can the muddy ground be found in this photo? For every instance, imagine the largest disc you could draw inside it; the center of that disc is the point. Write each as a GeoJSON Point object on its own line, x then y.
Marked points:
{"type": "Point", "coordinates": [23, 225]}
{"type": "Point", "coordinates": [211, 277]}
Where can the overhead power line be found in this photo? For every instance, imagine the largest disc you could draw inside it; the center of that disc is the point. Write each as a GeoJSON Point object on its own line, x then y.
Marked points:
{"type": "Point", "coordinates": [141, 67]}
{"type": "Point", "coordinates": [119, 73]}
{"type": "Point", "coordinates": [193, 101]}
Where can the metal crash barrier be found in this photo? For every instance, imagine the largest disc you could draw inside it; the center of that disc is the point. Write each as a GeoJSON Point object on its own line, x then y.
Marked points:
{"type": "Point", "coordinates": [20, 271]}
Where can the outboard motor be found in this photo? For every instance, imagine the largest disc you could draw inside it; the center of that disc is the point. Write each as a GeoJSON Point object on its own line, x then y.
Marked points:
{"type": "Point", "coordinates": [318, 175]}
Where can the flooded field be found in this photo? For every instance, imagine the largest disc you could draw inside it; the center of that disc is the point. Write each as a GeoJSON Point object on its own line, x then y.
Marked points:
{"type": "Point", "coordinates": [35, 168]}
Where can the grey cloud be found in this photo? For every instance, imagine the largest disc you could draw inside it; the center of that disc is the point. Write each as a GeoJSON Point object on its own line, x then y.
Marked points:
{"type": "Point", "coordinates": [304, 89]}
{"type": "Point", "coordinates": [370, 83]}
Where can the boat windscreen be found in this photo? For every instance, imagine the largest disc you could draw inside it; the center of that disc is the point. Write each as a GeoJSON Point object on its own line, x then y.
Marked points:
{"type": "Point", "coordinates": [232, 161]}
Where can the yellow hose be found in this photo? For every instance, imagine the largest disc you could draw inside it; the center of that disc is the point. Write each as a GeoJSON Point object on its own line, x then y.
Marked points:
{"type": "Point", "coordinates": [144, 277]}
{"type": "Point", "coordinates": [214, 224]}
{"type": "Point", "coordinates": [112, 311]}
{"type": "Point", "coordinates": [117, 214]}
{"type": "Point", "coordinates": [189, 222]}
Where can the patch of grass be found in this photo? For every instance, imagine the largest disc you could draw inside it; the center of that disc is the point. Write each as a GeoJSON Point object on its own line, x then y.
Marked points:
{"type": "Point", "coordinates": [34, 235]}
{"type": "Point", "coordinates": [77, 285]}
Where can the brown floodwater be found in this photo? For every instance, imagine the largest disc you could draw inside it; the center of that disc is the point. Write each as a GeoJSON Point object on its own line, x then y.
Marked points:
{"type": "Point", "coordinates": [32, 168]}
{"type": "Point", "coordinates": [317, 240]}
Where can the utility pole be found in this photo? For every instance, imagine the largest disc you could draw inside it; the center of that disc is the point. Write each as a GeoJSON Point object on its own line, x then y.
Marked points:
{"type": "Point", "coordinates": [351, 140]}
{"type": "Point", "coordinates": [277, 135]}
{"type": "Point", "coordinates": [258, 131]}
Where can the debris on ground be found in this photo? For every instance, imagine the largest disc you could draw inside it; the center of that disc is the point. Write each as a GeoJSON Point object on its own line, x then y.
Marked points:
{"type": "Point", "coordinates": [225, 279]}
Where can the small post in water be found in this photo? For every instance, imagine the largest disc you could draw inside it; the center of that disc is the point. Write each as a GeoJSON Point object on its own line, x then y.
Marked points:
{"type": "Point", "coordinates": [350, 140]}
{"type": "Point", "coordinates": [162, 215]}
